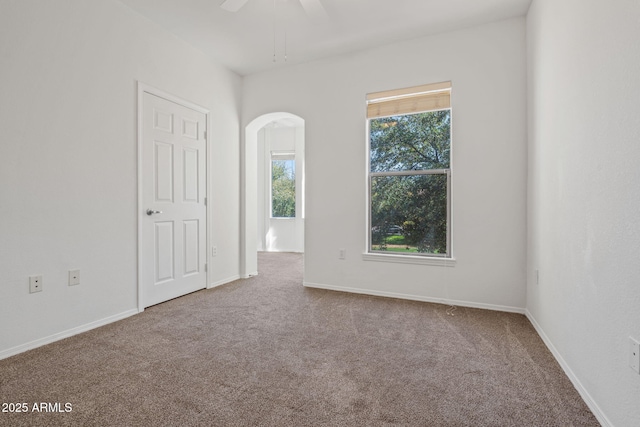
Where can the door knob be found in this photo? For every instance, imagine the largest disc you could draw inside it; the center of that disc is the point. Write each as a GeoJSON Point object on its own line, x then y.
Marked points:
{"type": "Point", "coordinates": [151, 212]}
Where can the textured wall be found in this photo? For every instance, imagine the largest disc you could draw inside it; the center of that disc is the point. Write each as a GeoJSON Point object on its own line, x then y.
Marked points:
{"type": "Point", "coordinates": [584, 192]}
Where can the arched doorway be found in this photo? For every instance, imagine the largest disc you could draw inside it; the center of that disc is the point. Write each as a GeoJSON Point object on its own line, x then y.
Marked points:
{"type": "Point", "coordinates": [269, 140]}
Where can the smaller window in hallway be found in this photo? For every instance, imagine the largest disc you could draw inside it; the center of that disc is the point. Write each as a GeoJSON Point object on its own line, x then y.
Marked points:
{"type": "Point", "coordinates": [283, 185]}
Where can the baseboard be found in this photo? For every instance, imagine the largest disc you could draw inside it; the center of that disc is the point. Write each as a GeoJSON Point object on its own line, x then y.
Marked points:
{"type": "Point", "coordinates": [469, 304]}
{"type": "Point", "coordinates": [84, 328]}
{"type": "Point", "coordinates": [65, 334]}
{"type": "Point", "coordinates": [223, 281]}
{"type": "Point", "coordinates": [593, 406]}
{"type": "Point", "coordinates": [246, 276]}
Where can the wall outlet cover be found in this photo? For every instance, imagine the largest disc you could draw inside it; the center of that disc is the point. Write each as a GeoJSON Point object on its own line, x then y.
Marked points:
{"type": "Point", "coordinates": [74, 277]}
{"type": "Point", "coordinates": [35, 284]}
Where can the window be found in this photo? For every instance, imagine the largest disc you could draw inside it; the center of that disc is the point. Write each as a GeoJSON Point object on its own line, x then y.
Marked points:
{"type": "Point", "coordinates": [409, 133]}
{"type": "Point", "coordinates": [283, 185]}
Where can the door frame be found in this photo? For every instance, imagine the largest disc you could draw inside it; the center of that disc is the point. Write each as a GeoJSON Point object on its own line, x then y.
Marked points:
{"type": "Point", "coordinates": [142, 89]}
{"type": "Point", "coordinates": [249, 189]}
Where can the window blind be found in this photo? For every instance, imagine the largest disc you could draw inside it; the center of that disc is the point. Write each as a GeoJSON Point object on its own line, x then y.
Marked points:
{"type": "Point", "coordinates": [417, 99]}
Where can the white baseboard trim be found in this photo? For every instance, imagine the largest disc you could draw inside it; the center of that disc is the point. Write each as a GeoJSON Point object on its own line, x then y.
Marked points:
{"type": "Point", "coordinates": [469, 304]}
{"type": "Point", "coordinates": [246, 276]}
{"type": "Point", "coordinates": [223, 281]}
{"type": "Point", "coordinates": [65, 334]}
{"type": "Point", "coordinates": [593, 406]}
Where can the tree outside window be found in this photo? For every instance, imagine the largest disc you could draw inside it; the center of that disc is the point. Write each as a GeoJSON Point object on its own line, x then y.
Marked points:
{"type": "Point", "coordinates": [409, 183]}
{"type": "Point", "coordinates": [283, 187]}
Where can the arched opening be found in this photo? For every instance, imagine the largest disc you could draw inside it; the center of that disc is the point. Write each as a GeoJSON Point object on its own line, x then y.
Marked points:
{"type": "Point", "coordinates": [274, 145]}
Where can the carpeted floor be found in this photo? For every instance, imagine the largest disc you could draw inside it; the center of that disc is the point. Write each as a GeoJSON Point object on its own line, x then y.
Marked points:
{"type": "Point", "coordinates": [268, 352]}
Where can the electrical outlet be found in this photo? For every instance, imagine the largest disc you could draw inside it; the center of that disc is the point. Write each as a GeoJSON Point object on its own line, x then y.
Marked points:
{"type": "Point", "coordinates": [634, 355]}
{"type": "Point", "coordinates": [35, 284]}
{"type": "Point", "coordinates": [214, 250]}
{"type": "Point", "coordinates": [342, 254]}
{"type": "Point", "coordinates": [74, 277]}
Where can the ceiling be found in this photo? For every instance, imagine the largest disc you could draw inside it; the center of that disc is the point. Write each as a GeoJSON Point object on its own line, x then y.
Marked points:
{"type": "Point", "coordinates": [245, 41]}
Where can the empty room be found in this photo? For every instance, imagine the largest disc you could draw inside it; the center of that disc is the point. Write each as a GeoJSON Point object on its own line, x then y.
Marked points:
{"type": "Point", "coordinates": [320, 212]}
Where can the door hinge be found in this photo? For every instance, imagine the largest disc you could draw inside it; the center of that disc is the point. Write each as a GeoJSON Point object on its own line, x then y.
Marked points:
{"type": "Point", "coordinates": [205, 134]}
{"type": "Point", "coordinates": [206, 267]}
{"type": "Point", "coordinates": [205, 201]}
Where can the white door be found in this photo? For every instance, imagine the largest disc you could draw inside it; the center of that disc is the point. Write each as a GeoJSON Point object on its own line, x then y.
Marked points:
{"type": "Point", "coordinates": [173, 225]}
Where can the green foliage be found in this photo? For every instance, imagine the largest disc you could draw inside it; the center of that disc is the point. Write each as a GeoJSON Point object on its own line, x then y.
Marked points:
{"type": "Point", "coordinates": [415, 204]}
{"type": "Point", "coordinates": [395, 240]}
{"type": "Point", "coordinates": [283, 189]}
{"type": "Point", "coordinates": [411, 142]}
{"type": "Point", "coordinates": [403, 249]}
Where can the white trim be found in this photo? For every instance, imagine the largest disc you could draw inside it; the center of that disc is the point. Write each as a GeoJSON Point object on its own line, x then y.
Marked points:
{"type": "Point", "coordinates": [65, 334]}
{"type": "Point", "coordinates": [593, 406]}
{"type": "Point", "coordinates": [142, 89]}
{"type": "Point", "coordinates": [421, 298]}
{"type": "Point", "coordinates": [208, 205]}
{"type": "Point", "coordinates": [278, 155]}
{"type": "Point", "coordinates": [369, 256]}
{"type": "Point", "coordinates": [249, 275]}
{"type": "Point", "coordinates": [249, 147]}
{"type": "Point", "coordinates": [410, 259]}
{"type": "Point", "coordinates": [223, 281]}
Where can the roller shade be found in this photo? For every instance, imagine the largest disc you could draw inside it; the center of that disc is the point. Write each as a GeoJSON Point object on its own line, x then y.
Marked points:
{"type": "Point", "coordinates": [417, 99]}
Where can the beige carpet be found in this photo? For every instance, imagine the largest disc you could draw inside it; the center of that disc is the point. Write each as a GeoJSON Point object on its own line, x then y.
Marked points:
{"type": "Point", "coordinates": [268, 352]}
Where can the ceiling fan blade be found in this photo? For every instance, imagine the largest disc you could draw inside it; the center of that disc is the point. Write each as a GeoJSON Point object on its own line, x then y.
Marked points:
{"type": "Point", "coordinates": [233, 5]}
{"type": "Point", "coordinates": [314, 9]}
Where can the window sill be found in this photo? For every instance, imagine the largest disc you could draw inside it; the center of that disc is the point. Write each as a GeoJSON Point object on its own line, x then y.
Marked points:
{"type": "Point", "coordinates": [409, 259]}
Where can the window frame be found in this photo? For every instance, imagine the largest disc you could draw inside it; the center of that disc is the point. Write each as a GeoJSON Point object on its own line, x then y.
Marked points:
{"type": "Point", "coordinates": [282, 155]}
{"type": "Point", "coordinates": [370, 254]}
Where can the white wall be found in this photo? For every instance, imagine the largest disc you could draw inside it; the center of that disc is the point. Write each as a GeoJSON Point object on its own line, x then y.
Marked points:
{"type": "Point", "coordinates": [68, 178]}
{"type": "Point", "coordinates": [487, 67]}
{"type": "Point", "coordinates": [280, 234]}
{"type": "Point", "coordinates": [584, 194]}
